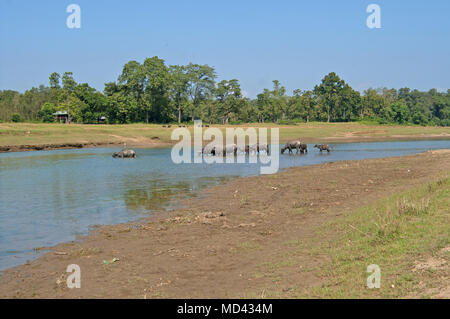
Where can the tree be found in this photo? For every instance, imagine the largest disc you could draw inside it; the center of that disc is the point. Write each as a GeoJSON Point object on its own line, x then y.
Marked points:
{"type": "Point", "coordinates": [93, 103]}
{"type": "Point", "coordinates": [68, 82]}
{"type": "Point", "coordinates": [121, 108]}
{"type": "Point", "coordinates": [349, 104]}
{"type": "Point", "coordinates": [46, 112]}
{"type": "Point", "coordinates": [304, 105]}
{"type": "Point", "coordinates": [329, 92]}
{"type": "Point", "coordinates": [263, 105]}
{"type": "Point", "coordinates": [54, 81]}
{"type": "Point", "coordinates": [156, 90]}
{"type": "Point", "coordinates": [229, 96]}
{"type": "Point", "coordinates": [399, 112]}
{"type": "Point", "coordinates": [178, 88]}
{"type": "Point", "coordinates": [65, 96]}
{"type": "Point", "coordinates": [132, 82]}
{"type": "Point", "coordinates": [279, 102]}
{"type": "Point", "coordinates": [200, 84]}
{"type": "Point", "coordinates": [372, 104]}
{"type": "Point", "coordinates": [419, 118]}
{"type": "Point", "coordinates": [148, 84]}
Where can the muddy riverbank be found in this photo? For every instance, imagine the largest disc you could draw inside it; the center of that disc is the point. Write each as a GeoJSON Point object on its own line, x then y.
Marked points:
{"type": "Point", "coordinates": [224, 242]}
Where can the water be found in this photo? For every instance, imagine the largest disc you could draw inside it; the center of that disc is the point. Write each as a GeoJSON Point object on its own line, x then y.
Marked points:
{"type": "Point", "coordinates": [49, 197]}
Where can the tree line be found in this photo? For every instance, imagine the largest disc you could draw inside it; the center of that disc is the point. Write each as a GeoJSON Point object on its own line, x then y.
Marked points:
{"type": "Point", "coordinates": [153, 92]}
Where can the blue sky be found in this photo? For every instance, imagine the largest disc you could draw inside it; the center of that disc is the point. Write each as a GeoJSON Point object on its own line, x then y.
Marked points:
{"type": "Point", "coordinates": [296, 42]}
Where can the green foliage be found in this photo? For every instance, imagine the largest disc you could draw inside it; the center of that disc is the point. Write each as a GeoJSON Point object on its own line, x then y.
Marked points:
{"type": "Point", "coordinates": [16, 118]}
{"type": "Point", "coordinates": [229, 98]}
{"type": "Point", "coordinates": [200, 85]}
{"type": "Point", "coordinates": [54, 81]}
{"type": "Point", "coordinates": [399, 112]}
{"type": "Point", "coordinates": [46, 112]}
{"type": "Point", "coordinates": [152, 92]}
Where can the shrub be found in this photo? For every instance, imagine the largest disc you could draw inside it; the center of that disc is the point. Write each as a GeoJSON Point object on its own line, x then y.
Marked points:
{"type": "Point", "coordinates": [419, 118]}
{"type": "Point", "coordinates": [407, 207]}
{"type": "Point", "coordinates": [46, 112]}
{"type": "Point", "coordinates": [16, 118]}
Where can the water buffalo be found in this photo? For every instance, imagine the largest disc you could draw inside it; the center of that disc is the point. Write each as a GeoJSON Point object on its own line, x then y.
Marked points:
{"type": "Point", "coordinates": [263, 147]}
{"type": "Point", "coordinates": [229, 148]}
{"type": "Point", "coordinates": [220, 149]}
{"type": "Point", "coordinates": [322, 147]}
{"type": "Point", "coordinates": [256, 148]}
{"type": "Point", "coordinates": [299, 146]}
{"type": "Point", "coordinates": [125, 154]}
{"type": "Point", "coordinates": [209, 150]}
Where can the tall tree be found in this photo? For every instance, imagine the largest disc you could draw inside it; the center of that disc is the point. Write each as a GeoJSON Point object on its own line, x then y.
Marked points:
{"type": "Point", "coordinates": [69, 101]}
{"type": "Point", "coordinates": [54, 80]}
{"type": "Point", "coordinates": [156, 82]}
{"type": "Point", "coordinates": [279, 101]}
{"type": "Point", "coordinates": [178, 88]}
{"type": "Point", "coordinates": [328, 92]}
{"type": "Point", "coordinates": [200, 84]}
{"type": "Point", "coordinates": [229, 97]}
{"type": "Point", "coordinates": [68, 82]}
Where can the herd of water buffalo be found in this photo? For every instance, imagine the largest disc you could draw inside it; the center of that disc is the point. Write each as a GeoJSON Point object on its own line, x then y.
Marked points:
{"type": "Point", "coordinates": [257, 148]}
{"type": "Point", "coordinates": [233, 148]}
{"type": "Point", "coordinates": [302, 147]}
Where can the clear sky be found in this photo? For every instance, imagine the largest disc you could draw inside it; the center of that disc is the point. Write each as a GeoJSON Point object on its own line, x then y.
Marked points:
{"type": "Point", "coordinates": [296, 42]}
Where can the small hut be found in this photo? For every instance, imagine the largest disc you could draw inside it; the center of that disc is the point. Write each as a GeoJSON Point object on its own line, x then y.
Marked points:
{"type": "Point", "coordinates": [101, 120]}
{"type": "Point", "coordinates": [61, 116]}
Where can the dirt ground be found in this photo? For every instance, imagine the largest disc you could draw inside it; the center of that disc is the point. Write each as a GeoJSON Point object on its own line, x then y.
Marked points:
{"type": "Point", "coordinates": [226, 241]}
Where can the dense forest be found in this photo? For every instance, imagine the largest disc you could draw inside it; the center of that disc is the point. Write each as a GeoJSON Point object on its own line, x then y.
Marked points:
{"type": "Point", "coordinates": [153, 92]}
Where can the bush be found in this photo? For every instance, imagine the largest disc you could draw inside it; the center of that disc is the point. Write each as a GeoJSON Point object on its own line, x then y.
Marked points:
{"type": "Point", "coordinates": [46, 112]}
{"type": "Point", "coordinates": [419, 118]}
{"type": "Point", "coordinates": [399, 112]}
{"type": "Point", "coordinates": [16, 118]}
{"type": "Point", "coordinates": [445, 122]}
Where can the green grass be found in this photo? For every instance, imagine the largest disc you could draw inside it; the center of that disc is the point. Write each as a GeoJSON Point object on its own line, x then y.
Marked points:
{"type": "Point", "coordinates": [394, 234]}
{"type": "Point", "coordinates": [35, 134]}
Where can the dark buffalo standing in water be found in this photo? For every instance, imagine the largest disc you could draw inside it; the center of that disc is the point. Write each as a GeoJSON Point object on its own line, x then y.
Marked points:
{"type": "Point", "coordinates": [125, 154]}
{"type": "Point", "coordinates": [322, 147]}
{"type": "Point", "coordinates": [291, 145]}
{"type": "Point", "coordinates": [209, 150]}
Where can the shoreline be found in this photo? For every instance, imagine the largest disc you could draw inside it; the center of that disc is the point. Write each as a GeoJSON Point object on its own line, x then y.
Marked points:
{"type": "Point", "coordinates": [156, 144]}
{"type": "Point", "coordinates": [62, 146]}
{"type": "Point", "coordinates": [207, 217]}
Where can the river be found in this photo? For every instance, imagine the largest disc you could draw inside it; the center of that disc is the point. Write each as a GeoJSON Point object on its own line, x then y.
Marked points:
{"type": "Point", "coordinates": [49, 197]}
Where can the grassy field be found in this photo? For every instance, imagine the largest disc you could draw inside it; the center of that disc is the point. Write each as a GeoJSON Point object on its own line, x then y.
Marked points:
{"type": "Point", "coordinates": [407, 235]}
{"type": "Point", "coordinates": [13, 134]}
